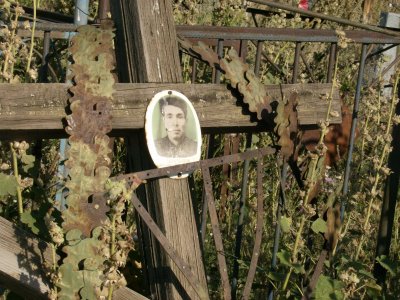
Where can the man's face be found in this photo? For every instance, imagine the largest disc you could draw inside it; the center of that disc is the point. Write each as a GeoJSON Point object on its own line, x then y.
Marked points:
{"type": "Point", "coordinates": [175, 122]}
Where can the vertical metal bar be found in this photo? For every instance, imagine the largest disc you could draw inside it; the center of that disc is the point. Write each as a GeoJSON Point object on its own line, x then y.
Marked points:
{"type": "Point", "coordinates": [259, 229]}
{"type": "Point", "coordinates": [194, 69]}
{"type": "Point", "coordinates": [104, 9]}
{"type": "Point", "coordinates": [223, 269]}
{"type": "Point", "coordinates": [331, 64]}
{"type": "Point", "coordinates": [243, 49]}
{"type": "Point", "coordinates": [239, 229]}
{"type": "Point", "coordinates": [45, 63]}
{"type": "Point", "coordinates": [296, 62]}
{"type": "Point", "coordinates": [81, 12]}
{"type": "Point", "coordinates": [281, 205]}
{"type": "Point", "coordinates": [220, 52]}
{"type": "Point", "coordinates": [258, 57]}
{"type": "Point", "coordinates": [353, 127]}
{"type": "Point", "coordinates": [204, 212]}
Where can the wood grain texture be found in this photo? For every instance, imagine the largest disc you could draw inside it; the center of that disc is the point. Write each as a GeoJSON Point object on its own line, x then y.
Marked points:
{"type": "Point", "coordinates": [28, 107]}
{"type": "Point", "coordinates": [147, 51]}
{"type": "Point", "coordinates": [22, 264]}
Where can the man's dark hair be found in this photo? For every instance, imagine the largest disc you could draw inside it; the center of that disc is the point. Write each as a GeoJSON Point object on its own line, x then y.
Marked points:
{"type": "Point", "coordinates": [174, 101]}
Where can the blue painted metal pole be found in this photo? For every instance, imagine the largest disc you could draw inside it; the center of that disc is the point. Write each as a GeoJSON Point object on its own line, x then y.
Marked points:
{"type": "Point", "coordinates": [80, 18]}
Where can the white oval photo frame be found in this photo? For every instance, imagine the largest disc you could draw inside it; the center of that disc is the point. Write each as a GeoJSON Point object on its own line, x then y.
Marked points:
{"type": "Point", "coordinates": [179, 143]}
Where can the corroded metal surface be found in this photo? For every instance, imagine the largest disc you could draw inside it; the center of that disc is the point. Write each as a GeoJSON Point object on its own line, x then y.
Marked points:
{"type": "Point", "coordinates": [88, 157]}
{"type": "Point", "coordinates": [223, 269]}
{"type": "Point", "coordinates": [282, 34]}
{"type": "Point", "coordinates": [239, 74]}
{"type": "Point", "coordinates": [190, 167]}
{"type": "Point", "coordinates": [204, 165]}
{"type": "Point", "coordinates": [173, 254]}
{"type": "Point", "coordinates": [259, 230]}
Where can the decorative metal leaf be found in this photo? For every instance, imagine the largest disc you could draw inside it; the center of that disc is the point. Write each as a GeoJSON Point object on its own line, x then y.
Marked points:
{"type": "Point", "coordinates": [90, 121]}
{"type": "Point", "coordinates": [71, 282]}
{"type": "Point", "coordinates": [81, 269]}
{"type": "Point", "coordinates": [88, 162]}
{"type": "Point", "coordinates": [205, 52]}
{"type": "Point", "coordinates": [249, 85]}
{"type": "Point", "coordinates": [286, 127]}
{"type": "Point", "coordinates": [238, 73]}
{"type": "Point", "coordinates": [88, 172]}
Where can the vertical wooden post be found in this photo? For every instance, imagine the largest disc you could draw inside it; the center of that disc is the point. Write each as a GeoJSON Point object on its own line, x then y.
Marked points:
{"type": "Point", "coordinates": [147, 51]}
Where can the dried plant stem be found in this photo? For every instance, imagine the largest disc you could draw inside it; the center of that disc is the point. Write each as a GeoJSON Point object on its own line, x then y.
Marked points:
{"type": "Point", "coordinates": [328, 112]}
{"type": "Point", "coordinates": [16, 174]}
{"type": "Point", "coordinates": [364, 138]}
{"type": "Point", "coordinates": [324, 131]}
{"type": "Point", "coordinates": [53, 254]}
{"type": "Point", "coordinates": [32, 45]}
{"type": "Point", "coordinates": [112, 249]}
{"type": "Point", "coordinates": [11, 47]}
{"type": "Point", "coordinates": [313, 169]}
{"type": "Point", "coordinates": [295, 250]}
{"type": "Point", "coordinates": [280, 52]}
{"type": "Point", "coordinates": [383, 157]}
{"type": "Point", "coordinates": [378, 122]}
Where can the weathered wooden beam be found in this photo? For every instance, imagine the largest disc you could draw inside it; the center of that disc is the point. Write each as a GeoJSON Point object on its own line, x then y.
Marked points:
{"type": "Point", "coordinates": [33, 110]}
{"type": "Point", "coordinates": [22, 260]}
{"type": "Point", "coordinates": [147, 51]}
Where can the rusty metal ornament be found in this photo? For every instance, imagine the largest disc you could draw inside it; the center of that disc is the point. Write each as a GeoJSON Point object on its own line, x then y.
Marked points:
{"type": "Point", "coordinates": [286, 127]}
{"type": "Point", "coordinates": [237, 72]}
{"type": "Point", "coordinates": [255, 94]}
{"type": "Point", "coordinates": [88, 162]}
{"type": "Point", "coordinates": [88, 157]}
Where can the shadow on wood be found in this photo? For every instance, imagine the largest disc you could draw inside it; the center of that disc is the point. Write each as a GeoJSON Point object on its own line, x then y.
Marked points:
{"type": "Point", "coordinates": [22, 264]}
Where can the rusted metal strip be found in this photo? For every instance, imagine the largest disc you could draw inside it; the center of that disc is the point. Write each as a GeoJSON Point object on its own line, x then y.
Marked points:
{"type": "Point", "coordinates": [332, 59]}
{"type": "Point", "coordinates": [180, 263]}
{"type": "Point", "coordinates": [194, 70]}
{"type": "Point", "coordinates": [259, 229]}
{"type": "Point", "coordinates": [190, 167]}
{"type": "Point", "coordinates": [204, 212]}
{"type": "Point", "coordinates": [314, 278]}
{"type": "Point", "coordinates": [281, 34]}
{"type": "Point", "coordinates": [253, 33]}
{"type": "Point", "coordinates": [220, 52]}
{"type": "Point", "coordinates": [370, 28]}
{"type": "Point", "coordinates": [296, 62]}
{"type": "Point", "coordinates": [225, 179]}
{"type": "Point", "coordinates": [258, 58]}
{"type": "Point", "coordinates": [223, 269]}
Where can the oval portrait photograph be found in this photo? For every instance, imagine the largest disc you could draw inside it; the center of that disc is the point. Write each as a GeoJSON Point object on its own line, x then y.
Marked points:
{"type": "Point", "coordinates": [172, 129]}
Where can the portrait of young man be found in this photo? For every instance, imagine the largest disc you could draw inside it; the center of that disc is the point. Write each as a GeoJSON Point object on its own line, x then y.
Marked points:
{"type": "Point", "coordinates": [176, 143]}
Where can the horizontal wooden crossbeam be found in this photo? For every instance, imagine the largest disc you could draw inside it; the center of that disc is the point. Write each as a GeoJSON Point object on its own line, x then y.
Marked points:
{"type": "Point", "coordinates": [22, 259]}
{"type": "Point", "coordinates": [39, 110]}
